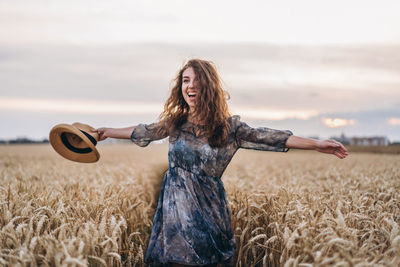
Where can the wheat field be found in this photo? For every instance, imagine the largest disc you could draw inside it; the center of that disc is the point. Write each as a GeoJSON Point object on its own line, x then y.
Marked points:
{"type": "Point", "coordinates": [300, 208]}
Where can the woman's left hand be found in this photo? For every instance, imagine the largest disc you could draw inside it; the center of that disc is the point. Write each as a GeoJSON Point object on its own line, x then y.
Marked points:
{"type": "Point", "coordinates": [332, 147]}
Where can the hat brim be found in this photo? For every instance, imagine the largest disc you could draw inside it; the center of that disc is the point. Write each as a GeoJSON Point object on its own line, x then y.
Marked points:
{"type": "Point", "coordinates": [86, 152]}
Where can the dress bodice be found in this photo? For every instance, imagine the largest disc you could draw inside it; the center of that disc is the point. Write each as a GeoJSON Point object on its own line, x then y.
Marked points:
{"type": "Point", "coordinates": [194, 154]}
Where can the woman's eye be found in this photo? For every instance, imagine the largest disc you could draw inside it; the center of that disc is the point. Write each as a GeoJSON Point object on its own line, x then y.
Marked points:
{"type": "Point", "coordinates": [185, 81]}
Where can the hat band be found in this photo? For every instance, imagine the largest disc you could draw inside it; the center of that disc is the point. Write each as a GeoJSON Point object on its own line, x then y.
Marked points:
{"type": "Point", "coordinates": [91, 138]}
{"type": "Point", "coordinates": [77, 149]}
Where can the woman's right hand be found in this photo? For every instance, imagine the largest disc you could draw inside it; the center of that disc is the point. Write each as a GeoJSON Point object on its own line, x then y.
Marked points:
{"type": "Point", "coordinates": [120, 133]}
{"type": "Point", "coordinates": [102, 133]}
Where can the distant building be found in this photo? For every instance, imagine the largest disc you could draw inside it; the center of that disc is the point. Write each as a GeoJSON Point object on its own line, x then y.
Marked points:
{"type": "Point", "coordinates": [362, 141]}
{"type": "Point", "coordinates": [342, 139]}
{"type": "Point", "coordinates": [369, 141]}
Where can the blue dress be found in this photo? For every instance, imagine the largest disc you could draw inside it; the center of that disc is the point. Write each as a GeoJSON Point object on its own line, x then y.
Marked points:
{"type": "Point", "coordinates": [192, 223]}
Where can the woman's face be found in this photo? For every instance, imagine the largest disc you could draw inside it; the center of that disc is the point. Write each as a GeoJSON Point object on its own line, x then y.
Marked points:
{"type": "Point", "coordinates": [189, 90]}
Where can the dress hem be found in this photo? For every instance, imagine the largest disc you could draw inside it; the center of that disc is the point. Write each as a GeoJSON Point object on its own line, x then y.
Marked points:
{"type": "Point", "coordinates": [189, 264]}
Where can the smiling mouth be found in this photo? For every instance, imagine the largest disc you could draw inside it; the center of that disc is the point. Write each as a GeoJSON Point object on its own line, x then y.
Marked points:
{"type": "Point", "coordinates": [192, 96]}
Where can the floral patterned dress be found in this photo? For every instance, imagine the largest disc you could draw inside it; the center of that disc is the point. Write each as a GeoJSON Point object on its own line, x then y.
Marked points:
{"type": "Point", "coordinates": [192, 223]}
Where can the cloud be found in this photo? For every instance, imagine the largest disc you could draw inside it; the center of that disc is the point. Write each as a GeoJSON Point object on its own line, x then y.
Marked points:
{"type": "Point", "coordinates": [140, 74]}
{"type": "Point", "coordinates": [394, 121]}
{"type": "Point", "coordinates": [272, 114]}
{"type": "Point", "coordinates": [260, 21]}
{"type": "Point", "coordinates": [37, 124]}
{"type": "Point", "coordinates": [337, 122]}
{"type": "Point", "coordinates": [79, 106]}
{"type": "Point", "coordinates": [257, 75]}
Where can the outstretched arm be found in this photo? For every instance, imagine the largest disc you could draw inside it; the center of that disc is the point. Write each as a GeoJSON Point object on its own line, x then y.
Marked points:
{"type": "Point", "coordinates": [142, 134]}
{"type": "Point", "coordinates": [324, 146]}
{"type": "Point", "coordinates": [120, 133]}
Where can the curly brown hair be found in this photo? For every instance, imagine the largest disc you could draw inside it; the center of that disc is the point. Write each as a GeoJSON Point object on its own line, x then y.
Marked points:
{"type": "Point", "coordinates": [211, 105]}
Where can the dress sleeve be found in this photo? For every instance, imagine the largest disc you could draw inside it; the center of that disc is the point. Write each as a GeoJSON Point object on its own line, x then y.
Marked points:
{"type": "Point", "coordinates": [143, 134]}
{"type": "Point", "coordinates": [261, 138]}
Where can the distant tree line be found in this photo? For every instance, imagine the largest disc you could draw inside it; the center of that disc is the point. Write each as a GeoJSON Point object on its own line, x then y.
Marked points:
{"type": "Point", "coordinates": [23, 140]}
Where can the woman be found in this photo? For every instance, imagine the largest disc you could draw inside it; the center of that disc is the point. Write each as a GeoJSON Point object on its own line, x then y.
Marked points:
{"type": "Point", "coordinates": [192, 221]}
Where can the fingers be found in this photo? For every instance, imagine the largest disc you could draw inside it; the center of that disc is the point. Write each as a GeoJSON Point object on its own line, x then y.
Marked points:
{"type": "Point", "coordinates": [331, 143]}
{"type": "Point", "coordinates": [339, 148]}
{"type": "Point", "coordinates": [342, 146]}
{"type": "Point", "coordinates": [336, 143]}
{"type": "Point", "coordinates": [337, 154]}
{"type": "Point", "coordinates": [343, 150]}
{"type": "Point", "coordinates": [333, 147]}
{"type": "Point", "coordinates": [100, 132]}
{"type": "Point", "coordinates": [340, 154]}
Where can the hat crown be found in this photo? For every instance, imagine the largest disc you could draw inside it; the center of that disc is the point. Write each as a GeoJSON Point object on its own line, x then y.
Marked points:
{"type": "Point", "coordinates": [87, 130]}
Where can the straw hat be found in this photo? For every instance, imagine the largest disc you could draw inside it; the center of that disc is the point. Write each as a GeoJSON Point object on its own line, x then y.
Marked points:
{"type": "Point", "coordinates": [75, 142]}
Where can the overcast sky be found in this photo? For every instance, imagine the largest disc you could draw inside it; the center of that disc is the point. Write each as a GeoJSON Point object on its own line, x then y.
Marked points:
{"type": "Point", "coordinates": [318, 68]}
